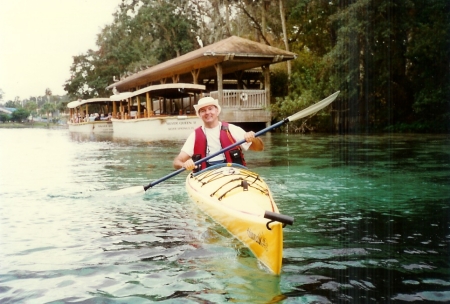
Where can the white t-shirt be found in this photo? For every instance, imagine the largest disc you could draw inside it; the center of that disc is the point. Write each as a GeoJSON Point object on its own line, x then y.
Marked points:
{"type": "Point", "coordinates": [213, 141]}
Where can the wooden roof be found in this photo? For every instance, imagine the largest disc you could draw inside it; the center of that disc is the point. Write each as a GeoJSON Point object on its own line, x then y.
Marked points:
{"type": "Point", "coordinates": [235, 54]}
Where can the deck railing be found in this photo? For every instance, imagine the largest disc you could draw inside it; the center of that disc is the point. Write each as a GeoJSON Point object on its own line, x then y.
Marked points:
{"type": "Point", "coordinates": [242, 99]}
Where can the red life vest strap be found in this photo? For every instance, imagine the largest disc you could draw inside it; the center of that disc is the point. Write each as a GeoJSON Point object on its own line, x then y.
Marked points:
{"type": "Point", "coordinates": [226, 139]}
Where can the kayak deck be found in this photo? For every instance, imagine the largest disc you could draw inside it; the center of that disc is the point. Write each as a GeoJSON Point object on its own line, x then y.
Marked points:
{"type": "Point", "coordinates": [237, 199]}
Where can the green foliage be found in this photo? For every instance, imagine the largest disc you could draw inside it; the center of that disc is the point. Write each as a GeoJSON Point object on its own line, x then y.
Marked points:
{"type": "Point", "coordinates": [20, 115]}
{"type": "Point", "coordinates": [31, 107]}
{"type": "Point", "coordinates": [47, 108]}
{"type": "Point", "coordinates": [141, 36]}
{"type": "Point", "coordinates": [279, 82]}
{"type": "Point", "coordinates": [308, 84]}
{"type": "Point", "coordinates": [310, 27]}
{"type": "Point", "coordinates": [4, 117]}
{"type": "Point", "coordinates": [171, 24]}
{"type": "Point", "coordinates": [421, 126]}
{"type": "Point", "coordinates": [390, 59]}
{"type": "Point", "coordinates": [10, 104]}
{"type": "Point", "coordinates": [429, 57]}
{"type": "Point", "coordinates": [62, 106]}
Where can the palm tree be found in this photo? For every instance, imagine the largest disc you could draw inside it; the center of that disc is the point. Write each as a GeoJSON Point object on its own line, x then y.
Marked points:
{"type": "Point", "coordinates": [47, 109]}
{"type": "Point", "coordinates": [32, 107]}
{"type": "Point", "coordinates": [48, 93]}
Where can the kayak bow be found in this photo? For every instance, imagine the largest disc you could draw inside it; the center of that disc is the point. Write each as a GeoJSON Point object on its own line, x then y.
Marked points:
{"type": "Point", "coordinates": [240, 201]}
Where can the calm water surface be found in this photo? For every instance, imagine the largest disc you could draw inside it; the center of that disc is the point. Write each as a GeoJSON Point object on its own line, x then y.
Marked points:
{"type": "Point", "coordinates": [372, 222]}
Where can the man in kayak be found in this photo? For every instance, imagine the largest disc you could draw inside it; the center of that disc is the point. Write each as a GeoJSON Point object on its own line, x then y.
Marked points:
{"type": "Point", "coordinates": [213, 136]}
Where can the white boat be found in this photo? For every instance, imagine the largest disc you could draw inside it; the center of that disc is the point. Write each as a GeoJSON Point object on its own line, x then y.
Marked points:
{"type": "Point", "coordinates": [157, 112]}
{"type": "Point", "coordinates": [90, 115]}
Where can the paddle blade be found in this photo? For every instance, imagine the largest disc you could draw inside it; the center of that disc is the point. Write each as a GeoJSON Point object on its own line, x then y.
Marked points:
{"type": "Point", "coordinates": [314, 108]}
{"type": "Point", "coordinates": [128, 191]}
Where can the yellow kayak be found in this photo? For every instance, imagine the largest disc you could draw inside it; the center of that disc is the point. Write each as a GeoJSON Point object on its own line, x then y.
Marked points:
{"type": "Point", "coordinates": [240, 201]}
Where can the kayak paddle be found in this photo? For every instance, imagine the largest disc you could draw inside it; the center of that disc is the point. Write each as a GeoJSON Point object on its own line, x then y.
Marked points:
{"type": "Point", "coordinates": [303, 113]}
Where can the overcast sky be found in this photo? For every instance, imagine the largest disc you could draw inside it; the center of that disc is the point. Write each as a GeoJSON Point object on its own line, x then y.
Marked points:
{"type": "Point", "coordinates": [38, 39]}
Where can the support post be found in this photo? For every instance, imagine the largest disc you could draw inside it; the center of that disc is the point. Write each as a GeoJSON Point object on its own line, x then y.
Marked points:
{"type": "Point", "coordinates": [219, 72]}
{"type": "Point", "coordinates": [149, 107]}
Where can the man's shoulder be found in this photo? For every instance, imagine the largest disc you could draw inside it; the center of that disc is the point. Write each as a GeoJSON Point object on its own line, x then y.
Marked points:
{"type": "Point", "coordinates": [234, 127]}
{"type": "Point", "coordinates": [225, 124]}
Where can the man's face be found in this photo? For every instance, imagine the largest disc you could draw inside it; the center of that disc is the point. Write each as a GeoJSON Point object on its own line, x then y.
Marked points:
{"type": "Point", "coordinates": [208, 113]}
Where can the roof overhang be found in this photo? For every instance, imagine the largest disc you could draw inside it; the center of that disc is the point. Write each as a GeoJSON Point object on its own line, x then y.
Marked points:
{"type": "Point", "coordinates": [168, 90]}
{"type": "Point", "coordinates": [234, 54]}
{"type": "Point", "coordinates": [7, 110]}
{"type": "Point", "coordinates": [80, 102]}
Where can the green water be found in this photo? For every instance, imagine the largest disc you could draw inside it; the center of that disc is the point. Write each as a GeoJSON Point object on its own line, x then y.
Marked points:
{"type": "Point", "coordinates": [372, 222]}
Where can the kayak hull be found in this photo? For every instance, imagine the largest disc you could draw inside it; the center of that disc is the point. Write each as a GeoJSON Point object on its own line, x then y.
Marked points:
{"type": "Point", "coordinates": [237, 198]}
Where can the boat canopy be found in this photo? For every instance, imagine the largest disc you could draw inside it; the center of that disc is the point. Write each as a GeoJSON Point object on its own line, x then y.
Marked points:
{"type": "Point", "coordinates": [80, 102]}
{"type": "Point", "coordinates": [121, 96]}
{"type": "Point", "coordinates": [168, 90]}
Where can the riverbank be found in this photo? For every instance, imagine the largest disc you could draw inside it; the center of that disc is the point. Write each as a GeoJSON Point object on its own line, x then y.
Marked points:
{"type": "Point", "coordinates": [35, 124]}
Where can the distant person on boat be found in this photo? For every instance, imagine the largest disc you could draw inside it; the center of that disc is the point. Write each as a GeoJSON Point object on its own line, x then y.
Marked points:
{"type": "Point", "coordinates": [213, 136]}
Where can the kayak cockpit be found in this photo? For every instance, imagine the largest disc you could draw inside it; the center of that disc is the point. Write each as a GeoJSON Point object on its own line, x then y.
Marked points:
{"type": "Point", "coordinates": [236, 187]}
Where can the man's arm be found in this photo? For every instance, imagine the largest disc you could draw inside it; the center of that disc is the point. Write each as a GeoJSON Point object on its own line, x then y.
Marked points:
{"type": "Point", "coordinates": [183, 160]}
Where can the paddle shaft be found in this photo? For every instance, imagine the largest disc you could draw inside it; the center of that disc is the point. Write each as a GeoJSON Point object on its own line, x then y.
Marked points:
{"type": "Point", "coordinates": [303, 113]}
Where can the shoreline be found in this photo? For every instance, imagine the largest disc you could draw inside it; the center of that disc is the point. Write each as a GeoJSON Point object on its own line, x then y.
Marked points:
{"type": "Point", "coordinates": [44, 125]}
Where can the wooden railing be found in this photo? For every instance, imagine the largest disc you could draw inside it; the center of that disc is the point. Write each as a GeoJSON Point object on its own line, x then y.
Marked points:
{"type": "Point", "coordinates": [243, 99]}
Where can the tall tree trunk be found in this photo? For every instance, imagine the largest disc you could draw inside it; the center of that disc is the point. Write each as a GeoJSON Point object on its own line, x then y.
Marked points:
{"type": "Point", "coordinates": [227, 17]}
{"type": "Point", "coordinates": [263, 18]}
{"type": "Point", "coordinates": [285, 37]}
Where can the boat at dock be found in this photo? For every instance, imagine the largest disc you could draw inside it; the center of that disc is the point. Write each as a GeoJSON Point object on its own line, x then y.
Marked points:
{"type": "Point", "coordinates": [90, 115]}
{"type": "Point", "coordinates": [157, 112]}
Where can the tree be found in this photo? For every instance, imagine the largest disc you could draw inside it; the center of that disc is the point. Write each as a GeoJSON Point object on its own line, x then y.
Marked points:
{"type": "Point", "coordinates": [173, 26]}
{"type": "Point", "coordinates": [389, 59]}
{"type": "Point", "coordinates": [20, 115]}
{"type": "Point", "coordinates": [142, 34]}
{"type": "Point", "coordinates": [4, 117]}
{"type": "Point", "coordinates": [47, 109]}
{"type": "Point", "coordinates": [308, 84]}
{"type": "Point", "coordinates": [428, 62]}
{"type": "Point", "coordinates": [285, 36]}
{"type": "Point", "coordinates": [10, 104]}
{"type": "Point", "coordinates": [31, 107]}
{"type": "Point", "coordinates": [61, 106]}
{"type": "Point", "coordinates": [48, 94]}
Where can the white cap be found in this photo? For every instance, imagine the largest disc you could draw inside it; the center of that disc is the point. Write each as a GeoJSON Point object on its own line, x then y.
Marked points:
{"type": "Point", "coordinates": [207, 101]}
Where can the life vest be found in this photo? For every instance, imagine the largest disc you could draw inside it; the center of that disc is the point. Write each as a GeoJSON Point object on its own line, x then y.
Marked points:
{"type": "Point", "coordinates": [226, 139]}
